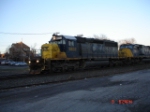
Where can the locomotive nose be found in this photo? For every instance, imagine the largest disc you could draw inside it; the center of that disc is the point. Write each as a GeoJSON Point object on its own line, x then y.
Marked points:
{"type": "Point", "coordinates": [50, 51]}
{"type": "Point", "coordinates": [125, 52]}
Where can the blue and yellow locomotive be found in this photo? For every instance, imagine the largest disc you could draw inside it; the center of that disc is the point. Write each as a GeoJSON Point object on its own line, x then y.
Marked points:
{"type": "Point", "coordinates": [134, 53]}
{"type": "Point", "coordinates": [134, 50]}
{"type": "Point", "coordinates": [72, 52]}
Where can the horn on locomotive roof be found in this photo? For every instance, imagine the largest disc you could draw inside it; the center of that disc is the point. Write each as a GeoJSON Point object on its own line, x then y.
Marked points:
{"type": "Point", "coordinates": [81, 35]}
{"type": "Point", "coordinates": [56, 33]}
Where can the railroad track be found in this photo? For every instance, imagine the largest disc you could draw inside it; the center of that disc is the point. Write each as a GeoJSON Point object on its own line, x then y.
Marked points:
{"type": "Point", "coordinates": [27, 80]}
{"type": "Point", "coordinates": [18, 76]}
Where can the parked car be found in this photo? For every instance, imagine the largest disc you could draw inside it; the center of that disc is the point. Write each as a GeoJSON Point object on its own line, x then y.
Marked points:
{"type": "Point", "coordinates": [20, 64]}
{"type": "Point", "coordinates": [12, 63]}
{"type": "Point", "coordinates": [23, 63]}
{"type": "Point", "coordinates": [3, 62]}
{"type": "Point", "coordinates": [8, 62]}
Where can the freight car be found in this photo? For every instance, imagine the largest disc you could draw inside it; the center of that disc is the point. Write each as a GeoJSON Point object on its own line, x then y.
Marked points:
{"type": "Point", "coordinates": [64, 53]}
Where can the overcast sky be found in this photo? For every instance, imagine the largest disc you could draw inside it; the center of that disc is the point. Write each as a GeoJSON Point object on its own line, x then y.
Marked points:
{"type": "Point", "coordinates": [117, 19]}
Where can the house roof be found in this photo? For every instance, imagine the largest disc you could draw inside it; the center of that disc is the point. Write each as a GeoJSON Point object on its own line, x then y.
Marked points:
{"type": "Point", "coordinates": [21, 44]}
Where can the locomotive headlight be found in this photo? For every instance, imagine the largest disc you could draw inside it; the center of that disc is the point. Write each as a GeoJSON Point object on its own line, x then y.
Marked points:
{"type": "Point", "coordinates": [29, 62]}
{"type": "Point", "coordinates": [37, 61]}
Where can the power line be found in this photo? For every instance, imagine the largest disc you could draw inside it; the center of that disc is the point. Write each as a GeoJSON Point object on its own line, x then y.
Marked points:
{"type": "Point", "coordinates": [9, 33]}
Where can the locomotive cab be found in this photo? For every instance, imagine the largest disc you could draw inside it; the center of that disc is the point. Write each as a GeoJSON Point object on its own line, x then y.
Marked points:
{"type": "Point", "coordinates": [60, 41]}
{"type": "Point", "coordinates": [66, 44]}
{"type": "Point", "coordinates": [126, 50]}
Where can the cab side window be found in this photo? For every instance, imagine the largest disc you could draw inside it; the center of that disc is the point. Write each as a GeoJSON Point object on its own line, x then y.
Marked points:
{"type": "Point", "coordinates": [64, 42]}
{"type": "Point", "coordinates": [71, 43]}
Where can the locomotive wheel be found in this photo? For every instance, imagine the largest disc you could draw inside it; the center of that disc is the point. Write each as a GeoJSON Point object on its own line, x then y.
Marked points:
{"type": "Point", "coordinates": [82, 64]}
{"type": "Point", "coordinates": [54, 69]}
{"type": "Point", "coordinates": [133, 61]}
{"type": "Point", "coordinates": [74, 68]}
{"type": "Point", "coordinates": [64, 68]}
{"type": "Point", "coordinates": [110, 64]}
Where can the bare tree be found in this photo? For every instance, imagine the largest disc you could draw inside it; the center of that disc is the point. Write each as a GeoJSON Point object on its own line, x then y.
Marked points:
{"type": "Point", "coordinates": [33, 50]}
{"type": "Point", "coordinates": [7, 52]}
{"type": "Point", "coordinates": [7, 55]}
{"type": "Point", "coordinates": [0, 55]}
{"type": "Point", "coordinates": [8, 49]}
{"type": "Point", "coordinates": [127, 41]}
{"type": "Point", "coordinates": [102, 37]}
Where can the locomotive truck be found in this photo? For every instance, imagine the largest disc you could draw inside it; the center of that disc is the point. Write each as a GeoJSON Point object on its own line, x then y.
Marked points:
{"type": "Point", "coordinates": [65, 52]}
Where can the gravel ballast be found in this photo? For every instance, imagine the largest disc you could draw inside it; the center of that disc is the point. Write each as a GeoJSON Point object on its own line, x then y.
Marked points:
{"type": "Point", "coordinates": [46, 79]}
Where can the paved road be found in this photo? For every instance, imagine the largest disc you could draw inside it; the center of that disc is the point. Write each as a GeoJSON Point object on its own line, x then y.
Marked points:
{"type": "Point", "coordinates": [88, 95]}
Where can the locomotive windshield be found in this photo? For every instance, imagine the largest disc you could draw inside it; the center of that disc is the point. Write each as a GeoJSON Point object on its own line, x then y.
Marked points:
{"type": "Point", "coordinates": [57, 40]}
{"type": "Point", "coordinates": [126, 46]}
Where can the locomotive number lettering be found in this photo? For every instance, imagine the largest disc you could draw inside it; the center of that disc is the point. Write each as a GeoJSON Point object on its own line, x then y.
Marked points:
{"type": "Point", "coordinates": [72, 49]}
{"type": "Point", "coordinates": [122, 101]}
{"type": "Point", "coordinates": [125, 101]}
